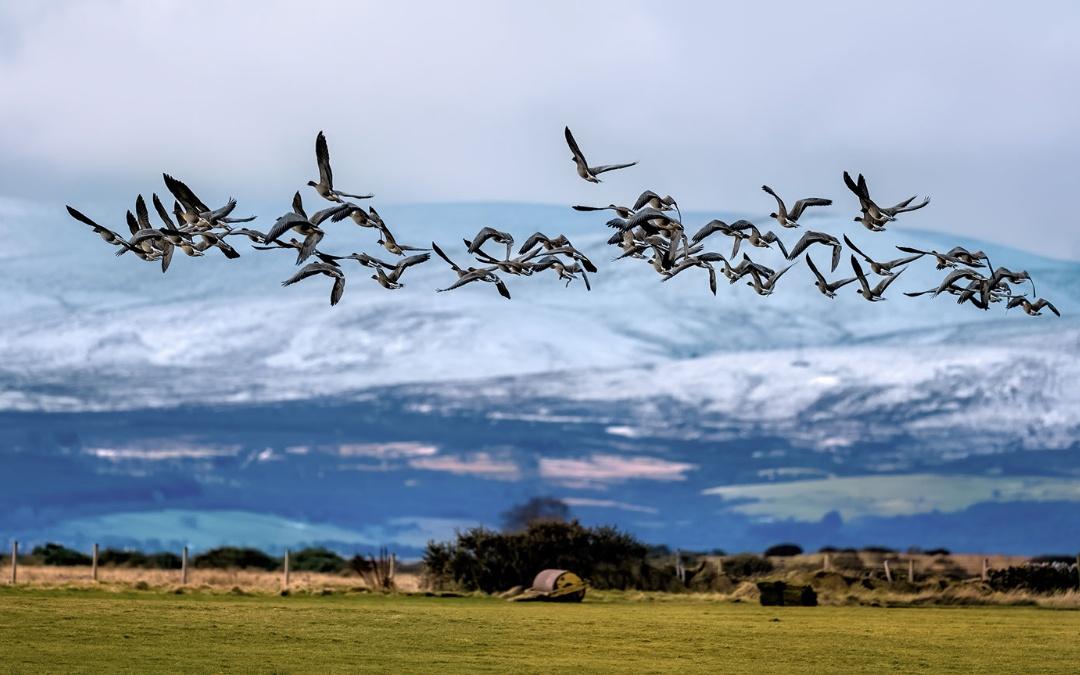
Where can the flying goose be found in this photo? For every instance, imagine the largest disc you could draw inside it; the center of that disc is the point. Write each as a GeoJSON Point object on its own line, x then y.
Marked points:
{"type": "Point", "coordinates": [621, 211]}
{"type": "Point", "coordinates": [325, 186]}
{"type": "Point", "coordinates": [587, 172]}
{"type": "Point", "coordinates": [486, 233]}
{"type": "Point", "coordinates": [828, 289]}
{"type": "Point", "coordinates": [810, 238]}
{"type": "Point", "coordinates": [714, 226]}
{"type": "Point", "coordinates": [943, 259]}
{"type": "Point", "coordinates": [105, 233]}
{"type": "Point", "coordinates": [756, 238]}
{"type": "Point", "coordinates": [389, 280]}
{"type": "Point", "coordinates": [766, 286]}
{"type": "Point", "coordinates": [883, 269]}
{"type": "Point", "coordinates": [653, 200]}
{"type": "Point", "coordinates": [874, 294]}
{"type": "Point", "coordinates": [466, 276]}
{"type": "Point", "coordinates": [312, 269]}
{"type": "Point", "coordinates": [565, 271]}
{"type": "Point", "coordinates": [1031, 308]}
{"type": "Point", "coordinates": [790, 219]}
{"type": "Point", "coordinates": [874, 217]}
{"type": "Point", "coordinates": [387, 241]}
{"type": "Point", "coordinates": [704, 261]}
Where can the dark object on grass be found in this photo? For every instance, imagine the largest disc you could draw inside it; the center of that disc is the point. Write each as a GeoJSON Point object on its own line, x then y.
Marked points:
{"type": "Point", "coordinates": [779, 594]}
{"type": "Point", "coordinates": [783, 550]}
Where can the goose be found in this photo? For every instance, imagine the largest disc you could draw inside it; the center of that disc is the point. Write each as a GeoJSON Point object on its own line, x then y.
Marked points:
{"type": "Point", "coordinates": [105, 233]}
{"type": "Point", "coordinates": [873, 216]}
{"type": "Point", "coordinates": [790, 219]}
{"type": "Point", "coordinates": [621, 211]}
{"type": "Point", "coordinates": [325, 186]}
{"type": "Point", "coordinates": [828, 289]}
{"type": "Point", "coordinates": [756, 238]}
{"type": "Point", "coordinates": [714, 226]}
{"type": "Point", "coordinates": [567, 272]}
{"type": "Point", "coordinates": [466, 276]}
{"type": "Point", "coordinates": [883, 269]}
{"type": "Point", "coordinates": [298, 246]}
{"type": "Point", "coordinates": [957, 275]}
{"type": "Point", "coordinates": [943, 259]}
{"type": "Point", "coordinates": [569, 251]}
{"type": "Point", "coordinates": [520, 266]}
{"type": "Point", "coordinates": [312, 269]}
{"type": "Point", "coordinates": [698, 261]}
{"type": "Point", "coordinates": [389, 280]}
{"type": "Point", "coordinates": [217, 241]}
{"type": "Point", "coordinates": [874, 294]}
{"type": "Point", "coordinates": [587, 172]}
{"type": "Point", "coordinates": [544, 241]}
{"type": "Point", "coordinates": [653, 200]}
{"type": "Point", "coordinates": [810, 238]}
{"type": "Point", "coordinates": [1032, 308]}
{"type": "Point", "coordinates": [192, 205]}
{"type": "Point", "coordinates": [766, 287]}
{"type": "Point", "coordinates": [486, 233]}
{"type": "Point", "coordinates": [388, 242]}
{"type": "Point", "coordinates": [977, 258]}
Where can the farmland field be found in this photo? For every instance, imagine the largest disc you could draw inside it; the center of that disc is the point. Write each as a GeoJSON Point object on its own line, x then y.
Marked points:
{"type": "Point", "coordinates": [65, 630]}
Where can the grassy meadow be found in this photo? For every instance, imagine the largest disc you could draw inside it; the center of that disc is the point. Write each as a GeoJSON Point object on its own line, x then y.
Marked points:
{"type": "Point", "coordinates": [97, 630]}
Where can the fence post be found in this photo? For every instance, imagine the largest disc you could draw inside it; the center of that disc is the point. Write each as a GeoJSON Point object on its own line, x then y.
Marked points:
{"type": "Point", "coordinates": [826, 565]}
{"type": "Point", "coordinates": [888, 574]}
{"type": "Point", "coordinates": [985, 569]}
{"type": "Point", "coordinates": [14, 562]}
{"type": "Point", "coordinates": [911, 570]}
{"type": "Point", "coordinates": [720, 563]}
{"type": "Point", "coordinates": [183, 568]}
{"type": "Point", "coordinates": [285, 572]}
{"type": "Point", "coordinates": [93, 565]}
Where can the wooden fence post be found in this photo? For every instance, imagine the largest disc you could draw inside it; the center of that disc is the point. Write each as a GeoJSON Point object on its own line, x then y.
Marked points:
{"type": "Point", "coordinates": [183, 568]}
{"type": "Point", "coordinates": [985, 569]}
{"type": "Point", "coordinates": [93, 565]}
{"type": "Point", "coordinates": [911, 570]}
{"type": "Point", "coordinates": [285, 572]}
{"type": "Point", "coordinates": [826, 564]}
{"type": "Point", "coordinates": [14, 562]}
{"type": "Point", "coordinates": [888, 574]}
{"type": "Point", "coordinates": [720, 564]}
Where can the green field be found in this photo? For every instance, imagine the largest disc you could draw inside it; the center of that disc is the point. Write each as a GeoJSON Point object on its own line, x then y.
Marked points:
{"type": "Point", "coordinates": [53, 630]}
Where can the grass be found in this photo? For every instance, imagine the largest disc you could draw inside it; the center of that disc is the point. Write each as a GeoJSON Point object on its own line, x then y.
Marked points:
{"type": "Point", "coordinates": [80, 630]}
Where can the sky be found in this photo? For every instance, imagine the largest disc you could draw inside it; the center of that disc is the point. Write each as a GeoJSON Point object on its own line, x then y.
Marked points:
{"type": "Point", "coordinates": [971, 103]}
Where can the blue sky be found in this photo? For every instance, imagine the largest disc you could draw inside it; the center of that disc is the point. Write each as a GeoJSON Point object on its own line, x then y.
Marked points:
{"type": "Point", "coordinates": [972, 103]}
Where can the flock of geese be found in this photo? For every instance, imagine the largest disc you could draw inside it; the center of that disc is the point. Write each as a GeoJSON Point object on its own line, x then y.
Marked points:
{"type": "Point", "coordinates": [651, 230]}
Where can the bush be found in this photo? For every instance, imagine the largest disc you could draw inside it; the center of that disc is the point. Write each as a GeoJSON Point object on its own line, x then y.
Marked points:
{"type": "Point", "coordinates": [121, 558]}
{"type": "Point", "coordinates": [482, 559]}
{"type": "Point", "coordinates": [229, 556]}
{"type": "Point", "coordinates": [55, 554]}
{"type": "Point", "coordinates": [1039, 578]}
{"type": "Point", "coordinates": [316, 560]}
{"type": "Point", "coordinates": [938, 552]}
{"type": "Point", "coordinates": [783, 550]}
{"type": "Point", "coordinates": [747, 565]}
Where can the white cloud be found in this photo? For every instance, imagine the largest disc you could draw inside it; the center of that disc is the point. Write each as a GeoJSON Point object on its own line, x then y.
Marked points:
{"type": "Point", "coordinates": [888, 495]}
{"type": "Point", "coordinates": [613, 468]}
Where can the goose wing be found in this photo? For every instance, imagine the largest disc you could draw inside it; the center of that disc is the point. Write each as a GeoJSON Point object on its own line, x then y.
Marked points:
{"type": "Point", "coordinates": [802, 204]}
{"type": "Point", "coordinates": [322, 157]}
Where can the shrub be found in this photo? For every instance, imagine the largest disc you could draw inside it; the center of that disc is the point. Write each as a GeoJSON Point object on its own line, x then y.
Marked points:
{"type": "Point", "coordinates": [938, 552]}
{"type": "Point", "coordinates": [229, 556]}
{"type": "Point", "coordinates": [783, 550]}
{"type": "Point", "coordinates": [316, 560]}
{"type": "Point", "coordinates": [1038, 578]}
{"type": "Point", "coordinates": [55, 554]}
{"type": "Point", "coordinates": [482, 559]}
{"type": "Point", "coordinates": [747, 565]}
